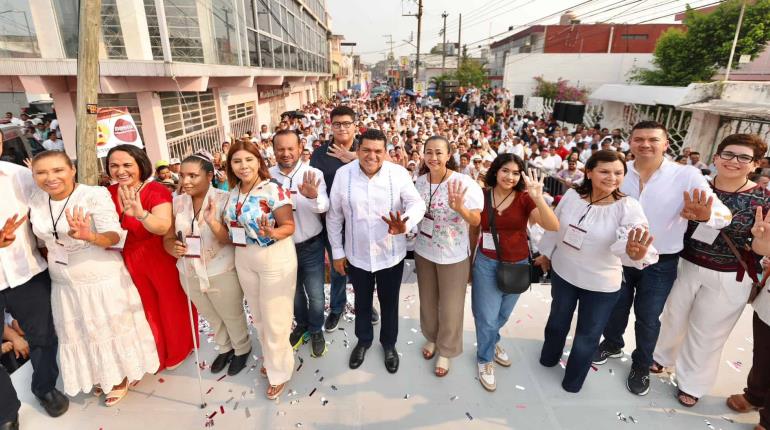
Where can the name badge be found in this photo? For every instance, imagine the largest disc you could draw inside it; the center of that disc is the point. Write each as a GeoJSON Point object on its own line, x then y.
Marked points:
{"type": "Point", "coordinates": [193, 246]}
{"type": "Point", "coordinates": [574, 237]}
{"type": "Point", "coordinates": [121, 242]}
{"type": "Point", "coordinates": [705, 234]}
{"type": "Point", "coordinates": [426, 226]}
{"type": "Point", "coordinates": [238, 234]}
{"type": "Point", "coordinates": [59, 254]}
{"type": "Point", "coordinates": [487, 241]}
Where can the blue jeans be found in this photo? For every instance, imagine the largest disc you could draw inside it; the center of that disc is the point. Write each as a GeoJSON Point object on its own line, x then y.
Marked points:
{"type": "Point", "coordinates": [309, 301]}
{"type": "Point", "coordinates": [337, 294]}
{"type": "Point", "coordinates": [491, 307]}
{"type": "Point", "coordinates": [647, 290]}
{"type": "Point", "coordinates": [594, 311]}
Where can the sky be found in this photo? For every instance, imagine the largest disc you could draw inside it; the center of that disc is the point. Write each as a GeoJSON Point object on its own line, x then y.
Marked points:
{"type": "Point", "coordinates": [369, 22]}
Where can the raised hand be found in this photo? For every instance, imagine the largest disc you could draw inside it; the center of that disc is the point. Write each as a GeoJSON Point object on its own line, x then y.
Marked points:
{"type": "Point", "coordinates": [396, 225]}
{"type": "Point", "coordinates": [639, 240]}
{"type": "Point", "coordinates": [697, 207]}
{"type": "Point", "coordinates": [456, 195]}
{"type": "Point", "coordinates": [130, 201]}
{"type": "Point", "coordinates": [761, 228]}
{"type": "Point", "coordinates": [210, 212]}
{"type": "Point", "coordinates": [266, 226]}
{"type": "Point", "coordinates": [80, 224]}
{"type": "Point", "coordinates": [341, 153]}
{"type": "Point", "coordinates": [534, 179]}
{"type": "Point", "coordinates": [309, 185]}
{"type": "Point", "coordinates": [8, 232]}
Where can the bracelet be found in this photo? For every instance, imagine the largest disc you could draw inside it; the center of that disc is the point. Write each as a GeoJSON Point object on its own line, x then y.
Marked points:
{"type": "Point", "coordinates": [144, 216]}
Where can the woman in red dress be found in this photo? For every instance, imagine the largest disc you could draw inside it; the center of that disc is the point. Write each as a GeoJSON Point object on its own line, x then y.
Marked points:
{"type": "Point", "coordinates": [144, 208]}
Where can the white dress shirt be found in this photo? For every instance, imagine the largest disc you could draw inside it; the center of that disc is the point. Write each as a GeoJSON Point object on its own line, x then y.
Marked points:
{"type": "Point", "coordinates": [662, 200]}
{"type": "Point", "coordinates": [20, 261]}
{"type": "Point", "coordinates": [307, 212]}
{"type": "Point", "coordinates": [359, 203]}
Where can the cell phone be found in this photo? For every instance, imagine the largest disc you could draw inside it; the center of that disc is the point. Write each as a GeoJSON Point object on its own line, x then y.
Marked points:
{"type": "Point", "coordinates": [180, 236]}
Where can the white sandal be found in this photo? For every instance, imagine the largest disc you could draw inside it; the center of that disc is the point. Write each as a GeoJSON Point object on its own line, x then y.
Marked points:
{"type": "Point", "coordinates": [116, 395]}
{"type": "Point", "coordinates": [442, 366]}
{"type": "Point", "coordinates": [430, 349]}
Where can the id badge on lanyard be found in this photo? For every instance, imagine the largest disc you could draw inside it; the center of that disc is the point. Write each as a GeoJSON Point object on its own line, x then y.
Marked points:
{"type": "Point", "coordinates": [238, 234]}
{"type": "Point", "coordinates": [59, 254]}
{"type": "Point", "coordinates": [487, 241]}
{"type": "Point", "coordinates": [193, 246]}
{"type": "Point", "coordinates": [574, 237]}
{"type": "Point", "coordinates": [427, 225]}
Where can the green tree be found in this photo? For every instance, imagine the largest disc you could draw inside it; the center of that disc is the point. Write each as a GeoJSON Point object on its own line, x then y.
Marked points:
{"type": "Point", "coordinates": [471, 72]}
{"type": "Point", "coordinates": [695, 55]}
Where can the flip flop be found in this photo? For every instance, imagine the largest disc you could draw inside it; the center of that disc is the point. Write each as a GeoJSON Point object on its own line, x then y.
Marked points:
{"type": "Point", "coordinates": [685, 399]}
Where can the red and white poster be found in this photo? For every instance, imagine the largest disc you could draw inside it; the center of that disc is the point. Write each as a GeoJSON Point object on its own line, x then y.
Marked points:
{"type": "Point", "coordinates": [115, 126]}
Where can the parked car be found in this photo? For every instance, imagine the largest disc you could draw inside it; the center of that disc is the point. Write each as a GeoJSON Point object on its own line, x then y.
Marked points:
{"type": "Point", "coordinates": [18, 146]}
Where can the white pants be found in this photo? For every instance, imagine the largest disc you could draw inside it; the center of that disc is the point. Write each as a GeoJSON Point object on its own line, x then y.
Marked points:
{"type": "Point", "coordinates": [268, 277]}
{"type": "Point", "coordinates": [700, 313]}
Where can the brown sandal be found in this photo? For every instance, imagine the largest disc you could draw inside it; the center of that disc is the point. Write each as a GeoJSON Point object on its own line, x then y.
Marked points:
{"type": "Point", "coordinates": [739, 403]}
{"type": "Point", "coordinates": [274, 391]}
{"type": "Point", "coordinates": [657, 368]}
{"type": "Point", "coordinates": [263, 372]}
{"type": "Point", "coordinates": [686, 400]}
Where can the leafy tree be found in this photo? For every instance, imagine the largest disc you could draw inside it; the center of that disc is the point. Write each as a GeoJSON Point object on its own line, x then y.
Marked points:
{"type": "Point", "coordinates": [471, 72]}
{"type": "Point", "coordinates": [560, 90]}
{"type": "Point", "coordinates": [695, 55]}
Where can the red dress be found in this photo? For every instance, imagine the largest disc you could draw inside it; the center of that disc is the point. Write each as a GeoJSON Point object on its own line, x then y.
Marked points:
{"type": "Point", "coordinates": [156, 278]}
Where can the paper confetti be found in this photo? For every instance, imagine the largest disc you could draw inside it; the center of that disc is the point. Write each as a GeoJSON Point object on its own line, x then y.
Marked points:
{"type": "Point", "coordinates": [221, 409]}
{"type": "Point", "coordinates": [519, 387]}
{"type": "Point", "coordinates": [468, 414]}
{"type": "Point", "coordinates": [406, 396]}
{"type": "Point", "coordinates": [453, 398]}
{"type": "Point", "coordinates": [161, 380]}
{"type": "Point", "coordinates": [324, 401]}
{"type": "Point", "coordinates": [521, 406]}
{"type": "Point", "coordinates": [210, 390]}
{"type": "Point", "coordinates": [728, 419]}
{"type": "Point", "coordinates": [334, 387]}
{"type": "Point", "coordinates": [236, 405]}
{"type": "Point", "coordinates": [248, 413]}
{"type": "Point", "coordinates": [312, 392]}
{"type": "Point", "coordinates": [414, 330]}
{"type": "Point", "coordinates": [221, 377]}
{"type": "Point", "coordinates": [735, 365]}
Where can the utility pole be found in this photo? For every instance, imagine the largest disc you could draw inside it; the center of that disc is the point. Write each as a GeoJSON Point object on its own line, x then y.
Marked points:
{"type": "Point", "coordinates": [443, 45]}
{"type": "Point", "coordinates": [390, 56]}
{"type": "Point", "coordinates": [735, 41]}
{"type": "Point", "coordinates": [419, 33]}
{"type": "Point", "coordinates": [459, 35]}
{"type": "Point", "coordinates": [87, 84]}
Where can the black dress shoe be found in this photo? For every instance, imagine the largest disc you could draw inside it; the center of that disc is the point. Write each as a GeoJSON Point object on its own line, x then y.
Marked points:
{"type": "Point", "coordinates": [357, 356]}
{"type": "Point", "coordinates": [238, 363]}
{"type": "Point", "coordinates": [221, 361]}
{"type": "Point", "coordinates": [10, 425]}
{"type": "Point", "coordinates": [54, 402]}
{"type": "Point", "coordinates": [391, 359]}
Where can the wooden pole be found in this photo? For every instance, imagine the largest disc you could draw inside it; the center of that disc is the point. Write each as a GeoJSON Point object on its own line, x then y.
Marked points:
{"type": "Point", "coordinates": [459, 36]}
{"type": "Point", "coordinates": [89, 33]}
{"type": "Point", "coordinates": [419, 34]}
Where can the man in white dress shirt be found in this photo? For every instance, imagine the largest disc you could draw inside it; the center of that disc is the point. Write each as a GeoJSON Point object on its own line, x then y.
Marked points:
{"type": "Point", "coordinates": [671, 195]}
{"type": "Point", "coordinates": [308, 193]}
{"type": "Point", "coordinates": [377, 203]}
{"type": "Point", "coordinates": [25, 291]}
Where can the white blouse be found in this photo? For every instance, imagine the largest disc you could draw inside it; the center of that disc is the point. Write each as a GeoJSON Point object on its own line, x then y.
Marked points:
{"type": "Point", "coordinates": [216, 257]}
{"type": "Point", "coordinates": [598, 265]}
{"type": "Point", "coordinates": [449, 243]}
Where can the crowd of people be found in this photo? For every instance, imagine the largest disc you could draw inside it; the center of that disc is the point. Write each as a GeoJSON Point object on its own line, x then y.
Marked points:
{"type": "Point", "coordinates": [476, 193]}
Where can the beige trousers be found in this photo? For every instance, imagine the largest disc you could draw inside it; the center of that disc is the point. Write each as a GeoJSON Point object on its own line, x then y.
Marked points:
{"type": "Point", "coordinates": [268, 277]}
{"type": "Point", "coordinates": [442, 303]}
{"type": "Point", "coordinates": [703, 307]}
{"type": "Point", "coordinates": [222, 306]}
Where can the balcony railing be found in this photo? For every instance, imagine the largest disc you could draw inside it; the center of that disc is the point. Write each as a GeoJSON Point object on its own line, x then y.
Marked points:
{"type": "Point", "coordinates": [240, 126]}
{"type": "Point", "coordinates": [209, 139]}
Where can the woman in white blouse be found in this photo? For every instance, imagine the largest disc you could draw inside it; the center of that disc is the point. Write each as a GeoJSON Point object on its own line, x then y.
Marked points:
{"type": "Point", "coordinates": [600, 231]}
{"type": "Point", "coordinates": [442, 252]}
{"type": "Point", "coordinates": [207, 261]}
{"type": "Point", "coordinates": [104, 337]}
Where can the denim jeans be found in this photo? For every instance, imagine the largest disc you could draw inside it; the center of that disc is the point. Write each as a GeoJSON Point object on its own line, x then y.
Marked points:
{"type": "Point", "coordinates": [337, 294]}
{"type": "Point", "coordinates": [647, 290]}
{"type": "Point", "coordinates": [309, 297]}
{"type": "Point", "coordinates": [491, 307]}
{"type": "Point", "coordinates": [594, 311]}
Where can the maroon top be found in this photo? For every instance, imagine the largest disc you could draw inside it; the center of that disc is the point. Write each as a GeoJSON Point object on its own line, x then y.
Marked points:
{"type": "Point", "coordinates": [511, 227]}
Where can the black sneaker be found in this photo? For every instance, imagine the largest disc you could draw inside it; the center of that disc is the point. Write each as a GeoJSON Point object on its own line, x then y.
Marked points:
{"type": "Point", "coordinates": [375, 316]}
{"type": "Point", "coordinates": [638, 382]}
{"type": "Point", "coordinates": [317, 344]}
{"type": "Point", "coordinates": [298, 336]}
{"type": "Point", "coordinates": [603, 353]}
{"type": "Point", "coordinates": [332, 321]}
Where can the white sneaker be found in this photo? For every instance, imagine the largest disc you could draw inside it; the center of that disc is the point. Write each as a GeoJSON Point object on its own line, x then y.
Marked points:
{"type": "Point", "coordinates": [487, 376]}
{"type": "Point", "coordinates": [501, 357]}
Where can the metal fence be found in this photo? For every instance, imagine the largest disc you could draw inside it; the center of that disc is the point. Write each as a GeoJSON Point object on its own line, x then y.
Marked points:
{"type": "Point", "coordinates": [209, 139]}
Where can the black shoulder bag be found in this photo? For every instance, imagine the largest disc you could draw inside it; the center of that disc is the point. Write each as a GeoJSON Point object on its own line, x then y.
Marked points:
{"type": "Point", "coordinates": [511, 278]}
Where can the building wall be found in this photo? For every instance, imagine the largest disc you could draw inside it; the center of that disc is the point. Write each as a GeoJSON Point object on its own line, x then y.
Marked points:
{"type": "Point", "coordinates": [597, 38]}
{"type": "Point", "coordinates": [584, 70]}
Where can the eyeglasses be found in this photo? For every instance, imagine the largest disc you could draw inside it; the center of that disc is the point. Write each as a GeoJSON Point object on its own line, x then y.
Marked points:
{"type": "Point", "coordinates": [742, 158]}
{"type": "Point", "coordinates": [345, 124]}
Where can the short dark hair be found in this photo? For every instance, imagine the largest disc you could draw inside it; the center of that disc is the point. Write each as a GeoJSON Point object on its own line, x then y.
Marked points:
{"type": "Point", "coordinates": [160, 169]}
{"type": "Point", "coordinates": [603, 156]}
{"type": "Point", "coordinates": [286, 132]}
{"type": "Point", "coordinates": [343, 111]}
{"type": "Point", "coordinates": [751, 141]}
{"type": "Point", "coordinates": [491, 177]}
{"type": "Point", "coordinates": [138, 154]}
{"type": "Point", "coordinates": [649, 125]}
{"type": "Point", "coordinates": [373, 134]}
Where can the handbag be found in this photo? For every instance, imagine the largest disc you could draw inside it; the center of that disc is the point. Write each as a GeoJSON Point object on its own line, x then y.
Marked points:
{"type": "Point", "coordinates": [756, 284]}
{"type": "Point", "coordinates": [511, 278]}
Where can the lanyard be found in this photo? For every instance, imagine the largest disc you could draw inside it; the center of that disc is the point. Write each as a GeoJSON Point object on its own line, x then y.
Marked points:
{"type": "Point", "coordinates": [239, 203]}
{"type": "Point", "coordinates": [50, 210]}
{"type": "Point", "coordinates": [291, 178]}
{"type": "Point", "coordinates": [195, 215]}
{"type": "Point", "coordinates": [590, 205]}
{"type": "Point", "coordinates": [430, 187]}
{"type": "Point", "coordinates": [739, 188]}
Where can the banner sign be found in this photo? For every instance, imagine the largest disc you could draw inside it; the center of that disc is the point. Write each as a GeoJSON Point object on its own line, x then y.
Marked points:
{"type": "Point", "coordinates": [115, 126]}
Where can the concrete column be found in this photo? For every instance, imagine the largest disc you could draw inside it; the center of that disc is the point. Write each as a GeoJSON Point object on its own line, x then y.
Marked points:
{"type": "Point", "coordinates": [222, 98]}
{"type": "Point", "coordinates": [133, 22]}
{"type": "Point", "coordinates": [702, 132]}
{"type": "Point", "coordinates": [46, 27]}
{"type": "Point", "coordinates": [65, 113]}
{"type": "Point", "coordinates": [207, 31]}
{"type": "Point", "coordinates": [153, 129]}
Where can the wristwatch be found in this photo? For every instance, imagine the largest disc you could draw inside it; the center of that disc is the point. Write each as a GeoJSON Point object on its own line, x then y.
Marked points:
{"type": "Point", "coordinates": [144, 215]}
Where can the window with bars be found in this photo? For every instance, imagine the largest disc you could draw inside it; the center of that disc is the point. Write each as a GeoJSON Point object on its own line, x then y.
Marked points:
{"type": "Point", "coordinates": [112, 33]}
{"type": "Point", "coordinates": [187, 112]}
{"type": "Point", "coordinates": [240, 110]}
{"type": "Point", "coordinates": [183, 30]}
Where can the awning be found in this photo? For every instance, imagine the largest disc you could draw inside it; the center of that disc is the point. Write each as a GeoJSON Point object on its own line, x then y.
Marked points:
{"type": "Point", "coordinates": [641, 94]}
{"type": "Point", "coordinates": [730, 108]}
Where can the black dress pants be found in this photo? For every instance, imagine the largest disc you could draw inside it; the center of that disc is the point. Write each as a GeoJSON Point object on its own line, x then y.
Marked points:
{"type": "Point", "coordinates": [388, 284]}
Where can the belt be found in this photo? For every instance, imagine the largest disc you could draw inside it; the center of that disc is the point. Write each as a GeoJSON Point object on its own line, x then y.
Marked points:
{"type": "Point", "coordinates": [667, 256]}
{"type": "Point", "coordinates": [308, 242]}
